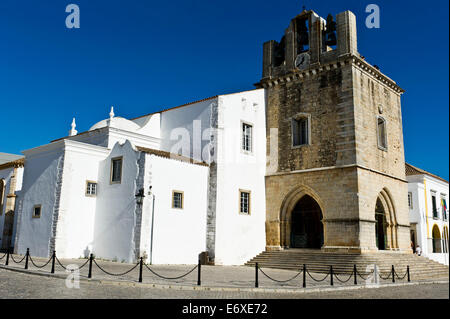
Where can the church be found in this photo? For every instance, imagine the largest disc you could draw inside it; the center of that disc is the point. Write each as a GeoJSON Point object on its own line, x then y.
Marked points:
{"type": "Point", "coordinates": [313, 157]}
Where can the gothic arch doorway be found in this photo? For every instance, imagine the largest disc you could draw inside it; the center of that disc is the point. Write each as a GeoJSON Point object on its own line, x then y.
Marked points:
{"type": "Point", "coordinates": [8, 230]}
{"type": "Point", "coordinates": [436, 239]}
{"type": "Point", "coordinates": [385, 222]}
{"type": "Point", "coordinates": [306, 224]}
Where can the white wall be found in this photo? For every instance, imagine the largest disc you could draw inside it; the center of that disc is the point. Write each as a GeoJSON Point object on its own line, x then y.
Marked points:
{"type": "Point", "coordinates": [5, 174]}
{"type": "Point", "coordinates": [115, 210]}
{"type": "Point", "coordinates": [240, 237]}
{"type": "Point", "coordinates": [179, 234]}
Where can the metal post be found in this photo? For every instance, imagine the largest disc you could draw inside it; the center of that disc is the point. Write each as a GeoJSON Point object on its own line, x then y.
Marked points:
{"type": "Point", "coordinates": [304, 275]}
{"type": "Point", "coordinates": [140, 270]}
{"type": "Point", "coordinates": [7, 257]}
{"type": "Point", "coordinates": [256, 276]}
{"type": "Point", "coordinates": [354, 272]}
{"type": "Point", "coordinates": [331, 273]}
{"type": "Point", "coordinates": [53, 262]}
{"type": "Point", "coordinates": [151, 230]}
{"type": "Point", "coordinates": [393, 274]}
{"type": "Point", "coordinates": [407, 271]}
{"type": "Point", "coordinates": [26, 258]}
{"type": "Point", "coordinates": [199, 273]}
{"type": "Point", "coordinates": [91, 257]}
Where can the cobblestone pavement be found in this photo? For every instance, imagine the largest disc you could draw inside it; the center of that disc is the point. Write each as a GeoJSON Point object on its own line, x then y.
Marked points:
{"type": "Point", "coordinates": [211, 276]}
{"type": "Point", "coordinates": [20, 285]}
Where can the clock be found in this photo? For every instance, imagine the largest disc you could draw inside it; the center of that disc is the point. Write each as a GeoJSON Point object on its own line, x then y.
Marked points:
{"type": "Point", "coordinates": [302, 61]}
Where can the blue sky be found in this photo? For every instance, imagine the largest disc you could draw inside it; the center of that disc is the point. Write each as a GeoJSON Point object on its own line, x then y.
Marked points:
{"type": "Point", "coordinates": [142, 56]}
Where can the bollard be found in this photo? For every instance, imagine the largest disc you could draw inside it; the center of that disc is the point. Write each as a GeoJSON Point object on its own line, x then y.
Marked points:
{"type": "Point", "coordinates": [140, 270]}
{"type": "Point", "coordinates": [26, 258]}
{"type": "Point", "coordinates": [256, 276]}
{"type": "Point", "coordinates": [407, 271]}
{"type": "Point", "coordinates": [331, 273]}
{"type": "Point", "coordinates": [199, 273]}
{"type": "Point", "coordinates": [304, 275]}
{"type": "Point", "coordinates": [393, 274]}
{"type": "Point", "coordinates": [354, 272]}
{"type": "Point", "coordinates": [7, 258]}
{"type": "Point", "coordinates": [53, 262]}
{"type": "Point", "coordinates": [91, 257]}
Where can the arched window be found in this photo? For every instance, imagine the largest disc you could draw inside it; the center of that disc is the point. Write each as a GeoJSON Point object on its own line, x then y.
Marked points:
{"type": "Point", "coordinates": [436, 233]}
{"type": "Point", "coordinates": [381, 133]}
{"type": "Point", "coordinates": [2, 194]}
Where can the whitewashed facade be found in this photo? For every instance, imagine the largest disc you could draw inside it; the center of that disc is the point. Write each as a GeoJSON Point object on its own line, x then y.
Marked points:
{"type": "Point", "coordinates": [184, 175]}
{"type": "Point", "coordinates": [428, 196]}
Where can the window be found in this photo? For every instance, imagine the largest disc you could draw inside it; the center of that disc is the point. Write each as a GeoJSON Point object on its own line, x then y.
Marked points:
{"type": "Point", "coordinates": [116, 170]}
{"type": "Point", "coordinates": [91, 188]}
{"type": "Point", "coordinates": [410, 203]}
{"type": "Point", "coordinates": [247, 137]}
{"type": "Point", "coordinates": [2, 194]}
{"type": "Point", "coordinates": [444, 208]}
{"type": "Point", "coordinates": [244, 201]}
{"type": "Point", "coordinates": [434, 206]}
{"type": "Point", "coordinates": [381, 130]}
{"type": "Point", "coordinates": [177, 199]}
{"type": "Point", "coordinates": [300, 131]}
{"type": "Point", "coordinates": [37, 211]}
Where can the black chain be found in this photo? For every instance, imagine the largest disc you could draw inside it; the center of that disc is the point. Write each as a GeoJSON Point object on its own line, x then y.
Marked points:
{"type": "Point", "coordinates": [31, 259]}
{"type": "Point", "coordinates": [389, 276]}
{"type": "Point", "coordinates": [362, 277]}
{"type": "Point", "coordinates": [85, 263]}
{"type": "Point", "coordinates": [401, 278]}
{"type": "Point", "coordinates": [171, 278]}
{"type": "Point", "coordinates": [17, 262]}
{"type": "Point", "coordinates": [111, 274]}
{"type": "Point", "coordinates": [316, 280]}
{"type": "Point", "coordinates": [60, 263]}
{"type": "Point", "coordinates": [343, 281]}
{"type": "Point", "coordinates": [3, 256]}
{"type": "Point", "coordinates": [280, 281]}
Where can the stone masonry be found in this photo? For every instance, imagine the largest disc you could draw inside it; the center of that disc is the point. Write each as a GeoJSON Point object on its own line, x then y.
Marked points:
{"type": "Point", "coordinates": [342, 167]}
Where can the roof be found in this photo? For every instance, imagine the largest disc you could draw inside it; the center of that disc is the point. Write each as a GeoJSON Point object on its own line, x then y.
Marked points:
{"type": "Point", "coordinates": [412, 170]}
{"type": "Point", "coordinates": [170, 155]}
{"type": "Point", "coordinates": [16, 163]}
{"type": "Point", "coordinates": [6, 157]}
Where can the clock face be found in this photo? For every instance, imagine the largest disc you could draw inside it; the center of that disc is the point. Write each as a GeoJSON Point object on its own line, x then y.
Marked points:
{"type": "Point", "coordinates": [302, 61]}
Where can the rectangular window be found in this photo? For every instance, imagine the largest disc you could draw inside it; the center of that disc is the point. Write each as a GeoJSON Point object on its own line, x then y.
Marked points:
{"type": "Point", "coordinates": [91, 188]}
{"type": "Point", "coordinates": [300, 131]}
{"type": "Point", "coordinates": [244, 200]}
{"type": "Point", "coordinates": [37, 211]}
{"type": "Point", "coordinates": [410, 204]}
{"type": "Point", "coordinates": [247, 137]}
{"type": "Point", "coordinates": [177, 199]}
{"type": "Point", "coordinates": [444, 208]}
{"type": "Point", "coordinates": [116, 170]}
{"type": "Point", "coordinates": [382, 137]}
{"type": "Point", "coordinates": [434, 206]}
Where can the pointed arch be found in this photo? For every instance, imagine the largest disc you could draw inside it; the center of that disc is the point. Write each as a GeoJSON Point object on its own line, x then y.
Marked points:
{"type": "Point", "coordinates": [388, 226]}
{"type": "Point", "coordinates": [436, 234]}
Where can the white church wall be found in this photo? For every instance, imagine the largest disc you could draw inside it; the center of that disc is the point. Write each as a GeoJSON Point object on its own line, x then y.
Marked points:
{"type": "Point", "coordinates": [115, 209]}
{"type": "Point", "coordinates": [120, 136]}
{"type": "Point", "coordinates": [39, 188]}
{"type": "Point", "coordinates": [19, 181]}
{"type": "Point", "coordinates": [178, 234]}
{"type": "Point", "coordinates": [150, 125]}
{"type": "Point", "coordinates": [240, 237]}
{"type": "Point", "coordinates": [76, 218]}
{"type": "Point", "coordinates": [182, 129]}
{"type": "Point", "coordinates": [6, 175]}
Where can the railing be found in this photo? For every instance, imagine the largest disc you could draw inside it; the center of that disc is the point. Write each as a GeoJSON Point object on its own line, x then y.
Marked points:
{"type": "Point", "coordinates": [331, 274]}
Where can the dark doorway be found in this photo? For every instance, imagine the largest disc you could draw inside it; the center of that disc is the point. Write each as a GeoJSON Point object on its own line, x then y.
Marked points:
{"type": "Point", "coordinates": [380, 226]}
{"type": "Point", "coordinates": [7, 231]}
{"type": "Point", "coordinates": [306, 224]}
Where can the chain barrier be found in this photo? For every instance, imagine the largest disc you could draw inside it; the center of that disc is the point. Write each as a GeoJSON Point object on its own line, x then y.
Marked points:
{"type": "Point", "coordinates": [111, 274]}
{"type": "Point", "coordinates": [3, 256]}
{"type": "Point", "coordinates": [362, 277]}
{"type": "Point", "coordinates": [280, 281]}
{"type": "Point", "coordinates": [401, 278]}
{"type": "Point", "coordinates": [170, 278]}
{"type": "Point", "coordinates": [17, 262]}
{"type": "Point", "coordinates": [31, 259]}
{"type": "Point", "coordinates": [385, 278]}
{"type": "Point", "coordinates": [316, 280]}
{"type": "Point", "coordinates": [60, 263]}
{"type": "Point", "coordinates": [343, 281]}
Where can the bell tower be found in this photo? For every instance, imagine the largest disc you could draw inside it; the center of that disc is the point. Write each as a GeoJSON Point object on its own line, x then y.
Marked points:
{"type": "Point", "coordinates": [334, 136]}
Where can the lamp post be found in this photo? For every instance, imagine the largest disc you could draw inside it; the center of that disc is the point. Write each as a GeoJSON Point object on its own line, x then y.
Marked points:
{"type": "Point", "coordinates": [153, 219]}
{"type": "Point", "coordinates": [140, 197]}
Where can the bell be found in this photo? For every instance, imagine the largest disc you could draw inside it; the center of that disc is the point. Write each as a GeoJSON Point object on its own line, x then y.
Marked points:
{"type": "Point", "coordinates": [330, 39]}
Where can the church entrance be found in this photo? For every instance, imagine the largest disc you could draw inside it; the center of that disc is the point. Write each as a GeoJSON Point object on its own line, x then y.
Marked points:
{"type": "Point", "coordinates": [306, 224]}
{"type": "Point", "coordinates": [380, 226]}
{"type": "Point", "coordinates": [8, 231]}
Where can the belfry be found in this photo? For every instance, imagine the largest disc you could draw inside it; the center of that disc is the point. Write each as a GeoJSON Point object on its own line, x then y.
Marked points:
{"type": "Point", "coordinates": [335, 177]}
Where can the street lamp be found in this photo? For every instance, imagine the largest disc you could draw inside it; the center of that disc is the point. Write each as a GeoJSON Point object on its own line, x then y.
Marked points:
{"type": "Point", "coordinates": [140, 197]}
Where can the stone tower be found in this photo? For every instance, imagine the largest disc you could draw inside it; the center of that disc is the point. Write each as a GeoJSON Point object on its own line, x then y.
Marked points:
{"type": "Point", "coordinates": [335, 175]}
